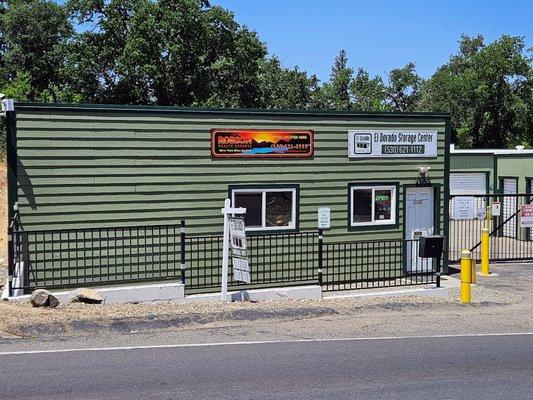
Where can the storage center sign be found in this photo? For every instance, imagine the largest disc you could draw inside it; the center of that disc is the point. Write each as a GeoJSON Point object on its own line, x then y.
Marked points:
{"type": "Point", "coordinates": [391, 143]}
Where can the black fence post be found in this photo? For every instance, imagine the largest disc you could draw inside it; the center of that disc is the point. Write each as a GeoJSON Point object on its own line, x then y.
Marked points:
{"type": "Point", "coordinates": [320, 255]}
{"type": "Point", "coordinates": [437, 270]}
{"type": "Point", "coordinates": [10, 258]}
{"type": "Point", "coordinates": [12, 238]}
{"type": "Point", "coordinates": [182, 252]}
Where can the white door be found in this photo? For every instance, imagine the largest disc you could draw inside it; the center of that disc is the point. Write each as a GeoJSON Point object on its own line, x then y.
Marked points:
{"type": "Point", "coordinates": [510, 206]}
{"type": "Point", "coordinates": [419, 221]}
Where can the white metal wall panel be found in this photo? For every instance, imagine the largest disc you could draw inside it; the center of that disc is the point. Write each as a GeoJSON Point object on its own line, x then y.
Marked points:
{"type": "Point", "coordinates": [468, 183]}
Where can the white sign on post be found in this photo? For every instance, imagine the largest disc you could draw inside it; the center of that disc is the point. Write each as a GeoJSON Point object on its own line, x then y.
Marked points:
{"type": "Point", "coordinates": [391, 143]}
{"type": "Point", "coordinates": [464, 207]}
{"type": "Point", "coordinates": [226, 212]}
{"type": "Point", "coordinates": [526, 216]}
{"type": "Point", "coordinates": [239, 255]}
{"type": "Point", "coordinates": [495, 209]}
{"type": "Point", "coordinates": [324, 221]}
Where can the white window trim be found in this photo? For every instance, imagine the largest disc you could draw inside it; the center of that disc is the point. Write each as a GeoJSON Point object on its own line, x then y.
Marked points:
{"type": "Point", "coordinates": [391, 221]}
{"type": "Point", "coordinates": [263, 192]}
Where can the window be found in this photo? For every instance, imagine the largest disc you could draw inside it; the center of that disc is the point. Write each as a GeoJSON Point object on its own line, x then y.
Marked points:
{"type": "Point", "coordinates": [267, 209]}
{"type": "Point", "coordinates": [372, 205]}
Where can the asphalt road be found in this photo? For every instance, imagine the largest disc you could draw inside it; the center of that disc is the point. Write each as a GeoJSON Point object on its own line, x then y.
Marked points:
{"type": "Point", "coordinates": [476, 367]}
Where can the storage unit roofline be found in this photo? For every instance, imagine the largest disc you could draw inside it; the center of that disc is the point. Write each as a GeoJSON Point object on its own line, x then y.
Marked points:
{"type": "Point", "coordinates": [22, 106]}
{"type": "Point", "coordinates": [517, 150]}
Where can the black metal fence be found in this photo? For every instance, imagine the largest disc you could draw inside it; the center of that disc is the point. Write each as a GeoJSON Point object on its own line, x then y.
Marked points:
{"type": "Point", "coordinates": [66, 258]}
{"type": "Point", "coordinates": [370, 264]}
{"type": "Point", "coordinates": [277, 259]}
{"type": "Point", "coordinates": [508, 240]}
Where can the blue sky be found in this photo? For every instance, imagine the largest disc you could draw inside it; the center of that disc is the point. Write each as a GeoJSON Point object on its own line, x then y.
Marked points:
{"type": "Point", "coordinates": [310, 33]}
{"type": "Point", "coordinates": [378, 35]}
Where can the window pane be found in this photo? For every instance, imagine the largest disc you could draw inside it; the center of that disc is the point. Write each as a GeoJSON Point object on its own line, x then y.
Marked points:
{"type": "Point", "coordinates": [278, 208]}
{"type": "Point", "coordinates": [362, 205]}
{"type": "Point", "coordinates": [383, 205]}
{"type": "Point", "coordinates": [252, 203]}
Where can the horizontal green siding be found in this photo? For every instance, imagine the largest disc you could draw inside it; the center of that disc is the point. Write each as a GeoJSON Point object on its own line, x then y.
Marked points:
{"type": "Point", "coordinates": [520, 167]}
{"type": "Point", "coordinates": [108, 167]}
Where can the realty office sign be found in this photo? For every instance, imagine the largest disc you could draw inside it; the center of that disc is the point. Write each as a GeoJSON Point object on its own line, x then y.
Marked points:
{"type": "Point", "coordinates": [261, 143]}
{"type": "Point", "coordinates": [239, 254]}
{"type": "Point", "coordinates": [381, 143]}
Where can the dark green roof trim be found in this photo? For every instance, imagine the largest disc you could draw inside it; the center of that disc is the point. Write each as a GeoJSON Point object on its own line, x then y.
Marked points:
{"type": "Point", "coordinates": [21, 106]}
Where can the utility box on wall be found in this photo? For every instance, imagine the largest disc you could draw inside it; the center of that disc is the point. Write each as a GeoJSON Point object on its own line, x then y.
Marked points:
{"type": "Point", "coordinates": [431, 246]}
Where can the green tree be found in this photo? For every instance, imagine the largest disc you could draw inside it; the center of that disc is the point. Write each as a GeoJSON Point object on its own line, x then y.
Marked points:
{"type": "Point", "coordinates": [369, 94]}
{"type": "Point", "coordinates": [488, 90]}
{"type": "Point", "coordinates": [168, 52]}
{"type": "Point", "coordinates": [283, 88]}
{"type": "Point", "coordinates": [318, 96]}
{"type": "Point", "coordinates": [19, 88]}
{"type": "Point", "coordinates": [337, 91]}
{"type": "Point", "coordinates": [33, 35]}
{"type": "Point", "coordinates": [403, 88]}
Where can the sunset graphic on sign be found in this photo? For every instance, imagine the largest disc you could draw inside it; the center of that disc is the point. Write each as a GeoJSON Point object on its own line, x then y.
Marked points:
{"type": "Point", "coordinates": [261, 143]}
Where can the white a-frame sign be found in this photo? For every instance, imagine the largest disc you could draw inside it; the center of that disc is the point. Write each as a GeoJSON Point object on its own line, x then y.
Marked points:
{"type": "Point", "coordinates": [239, 255]}
{"type": "Point", "coordinates": [227, 211]}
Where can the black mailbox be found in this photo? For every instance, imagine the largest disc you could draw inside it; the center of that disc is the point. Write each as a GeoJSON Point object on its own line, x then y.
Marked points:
{"type": "Point", "coordinates": [430, 246]}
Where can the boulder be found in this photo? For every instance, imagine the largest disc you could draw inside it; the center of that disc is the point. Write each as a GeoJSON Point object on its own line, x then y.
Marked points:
{"type": "Point", "coordinates": [84, 295]}
{"type": "Point", "coordinates": [52, 301]}
{"type": "Point", "coordinates": [40, 298]}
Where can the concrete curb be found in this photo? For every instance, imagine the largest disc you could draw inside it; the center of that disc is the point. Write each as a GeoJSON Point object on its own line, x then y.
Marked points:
{"type": "Point", "coordinates": [175, 292]}
{"type": "Point", "coordinates": [294, 293]}
{"type": "Point", "coordinates": [157, 293]}
{"type": "Point", "coordinates": [433, 292]}
{"type": "Point", "coordinates": [128, 294]}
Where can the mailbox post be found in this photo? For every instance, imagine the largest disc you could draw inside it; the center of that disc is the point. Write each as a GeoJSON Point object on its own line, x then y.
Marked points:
{"type": "Point", "coordinates": [432, 247]}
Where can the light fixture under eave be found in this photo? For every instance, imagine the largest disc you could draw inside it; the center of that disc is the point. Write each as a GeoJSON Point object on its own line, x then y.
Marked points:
{"type": "Point", "coordinates": [423, 179]}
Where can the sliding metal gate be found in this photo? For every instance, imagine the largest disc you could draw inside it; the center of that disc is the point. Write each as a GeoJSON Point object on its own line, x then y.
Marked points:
{"type": "Point", "coordinates": [508, 240]}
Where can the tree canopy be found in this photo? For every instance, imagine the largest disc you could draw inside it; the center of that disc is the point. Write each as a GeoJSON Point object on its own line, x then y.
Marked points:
{"type": "Point", "coordinates": [488, 90]}
{"type": "Point", "coordinates": [193, 53]}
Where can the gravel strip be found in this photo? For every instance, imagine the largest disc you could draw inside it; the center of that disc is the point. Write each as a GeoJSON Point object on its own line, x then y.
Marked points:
{"type": "Point", "coordinates": [510, 292]}
{"type": "Point", "coordinates": [22, 319]}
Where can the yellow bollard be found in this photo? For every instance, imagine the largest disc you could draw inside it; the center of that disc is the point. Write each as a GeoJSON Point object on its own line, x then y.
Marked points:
{"type": "Point", "coordinates": [473, 271]}
{"type": "Point", "coordinates": [466, 276]}
{"type": "Point", "coordinates": [485, 269]}
{"type": "Point", "coordinates": [488, 216]}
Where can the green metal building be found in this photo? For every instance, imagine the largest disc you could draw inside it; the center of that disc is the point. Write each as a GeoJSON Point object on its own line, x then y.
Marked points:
{"type": "Point", "coordinates": [97, 165]}
{"type": "Point", "coordinates": [383, 175]}
{"type": "Point", "coordinates": [494, 171]}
